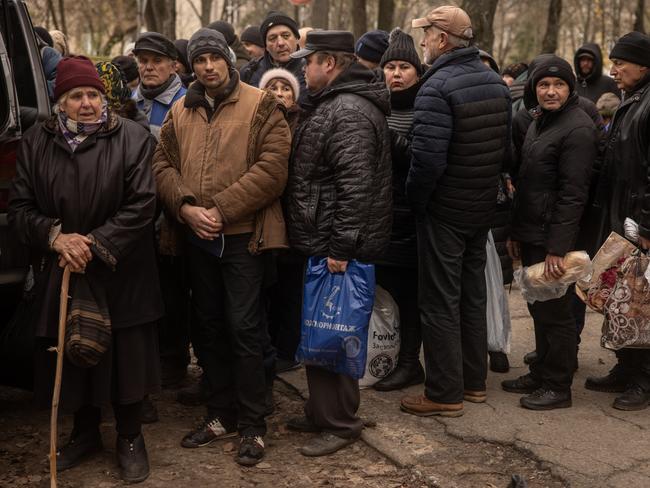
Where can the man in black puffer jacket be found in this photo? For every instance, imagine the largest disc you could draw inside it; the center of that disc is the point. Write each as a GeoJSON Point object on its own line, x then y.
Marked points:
{"type": "Point", "coordinates": [461, 131]}
{"type": "Point", "coordinates": [552, 190]}
{"type": "Point", "coordinates": [592, 83]}
{"type": "Point", "coordinates": [338, 201]}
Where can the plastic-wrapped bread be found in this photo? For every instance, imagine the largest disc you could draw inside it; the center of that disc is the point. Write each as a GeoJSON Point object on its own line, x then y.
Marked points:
{"type": "Point", "coordinates": [535, 287]}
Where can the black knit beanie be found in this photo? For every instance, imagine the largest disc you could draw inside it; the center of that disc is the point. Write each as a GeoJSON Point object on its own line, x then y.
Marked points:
{"type": "Point", "coordinates": [128, 66]}
{"type": "Point", "coordinates": [225, 28]}
{"type": "Point", "coordinates": [401, 48]}
{"type": "Point", "coordinates": [205, 41]}
{"type": "Point", "coordinates": [278, 18]}
{"type": "Point", "coordinates": [372, 45]}
{"type": "Point", "coordinates": [557, 67]}
{"type": "Point", "coordinates": [181, 47]}
{"type": "Point", "coordinates": [252, 34]}
{"type": "Point", "coordinates": [45, 36]}
{"type": "Point", "coordinates": [633, 47]}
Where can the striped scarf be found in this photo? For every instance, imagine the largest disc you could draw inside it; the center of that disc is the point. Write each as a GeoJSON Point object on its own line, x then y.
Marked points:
{"type": "Point", "coordinates": [76, 132]}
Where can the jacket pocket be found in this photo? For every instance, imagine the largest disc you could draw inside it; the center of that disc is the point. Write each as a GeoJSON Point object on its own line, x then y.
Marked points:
{"type": "Point", "coordinates": [312, 206]}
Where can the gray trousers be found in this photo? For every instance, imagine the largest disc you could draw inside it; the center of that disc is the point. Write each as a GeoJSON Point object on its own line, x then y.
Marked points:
{"type": "Point", "coordinates": [333, 402]}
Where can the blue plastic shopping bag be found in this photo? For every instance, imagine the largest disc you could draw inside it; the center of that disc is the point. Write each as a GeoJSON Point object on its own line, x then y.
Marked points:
{"type": "Point", "coordinates": [336, 310]}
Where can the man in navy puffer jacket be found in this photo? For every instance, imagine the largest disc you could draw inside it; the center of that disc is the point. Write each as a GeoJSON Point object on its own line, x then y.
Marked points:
{"type": "Point", "coordinates": [461, 133]}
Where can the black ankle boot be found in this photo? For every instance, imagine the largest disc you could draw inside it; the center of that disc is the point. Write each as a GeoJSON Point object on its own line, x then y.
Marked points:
{"type": "Point", "coordinates": [403, 376]}
{"type": "Point", "coordinates": [80, 446]}
{"type": "Point", "coordinates": [133, 460]}
{"type": "Point", "coordinates": [499, 362]}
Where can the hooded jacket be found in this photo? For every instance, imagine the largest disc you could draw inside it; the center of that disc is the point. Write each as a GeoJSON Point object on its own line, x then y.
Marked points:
{"type": "Point", "coordinates": [554, 177]}
{"type": "Point", "coordinates": [461, 132]}
{"type": "Point", "coordinates": [595, 83]}
{"type": "Point", "coordinates": [338, 196]}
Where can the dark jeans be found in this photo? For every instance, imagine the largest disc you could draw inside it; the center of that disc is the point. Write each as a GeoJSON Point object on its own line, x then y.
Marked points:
{"type": "Point", "coordinates": [285, 304]}
{"type": "Point", "coordinates": [173, 330]}
{"type": "Point", "coordinates": [555, 332]}
{"type": "Point", "coordinates": [128, 419]}
{"type": "Point", "coordinates": [402, 284]}
{"type": "Point", "coordinates": [579, 309]}
{"type": "Point", "coordinates": [228, 332]}
{"type": "Point", "coordinates": [634, 367]}
{"type": "Point", "coordinates": [333, 402]}
{"type": "Point", "coordinates": [452, 298]}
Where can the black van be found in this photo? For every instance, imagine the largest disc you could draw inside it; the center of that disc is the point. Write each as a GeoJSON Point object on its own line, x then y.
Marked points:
{"type": "Point", "coordinates": [24, 102]}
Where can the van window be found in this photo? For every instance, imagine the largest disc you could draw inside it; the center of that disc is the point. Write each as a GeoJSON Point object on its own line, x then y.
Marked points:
{"type": "Point", "coordinates": [15, 42]}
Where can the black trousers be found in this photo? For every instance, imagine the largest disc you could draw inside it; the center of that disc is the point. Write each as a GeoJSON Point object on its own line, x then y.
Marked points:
{"type": "Point", "coordinates": [452, 299]}
{"type": "Point", "coordinates": [285, 304]}
{"type": "Point", "coordinates": [228, 332]}
{"type": "Point", "coordinates": [173, 330]}
{"type": "Point", "coordinates": [555, 332]}
{"type": "Point", "coordinates": [402, 284]}
{"type": "Point", "coordinates": [634, 366]}
{"type": "Point", "coordinates": [128, 419]}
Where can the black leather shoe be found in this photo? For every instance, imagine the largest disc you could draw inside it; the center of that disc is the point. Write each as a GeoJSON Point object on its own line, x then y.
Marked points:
{"type": "Point", "coordinates": [149, 411]}
{"type": "Point", "coordinates": [499, 362]}
{"type": "Point", "coordinates": [523, 384]}
{"type": "Point", "coordinates": [325, 444]}
{"type": "Point", "coordinates": [545, 399]}
{"type": "Point", "coordinates": [79, 447]}
{"type": "Point", "coordinates": [609, 383]}
{"type": "Point", "coordinates": [302, 424]}
{"type": "Point", "coordinates": [133, 459]}
{"type": "Point", "coordinates": [402, 377]}
{"type": "Point", "coordinates": [531, 357]}
{"type": "Point", "coordinates": [634, 398]}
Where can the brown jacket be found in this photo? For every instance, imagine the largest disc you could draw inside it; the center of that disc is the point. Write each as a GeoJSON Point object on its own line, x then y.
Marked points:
{"type": "Point", "coordinates": [234, 158]}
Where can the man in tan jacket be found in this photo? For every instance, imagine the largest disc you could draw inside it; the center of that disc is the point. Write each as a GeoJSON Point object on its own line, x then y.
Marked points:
{"type": "Point", "coordinates": [220, 168]}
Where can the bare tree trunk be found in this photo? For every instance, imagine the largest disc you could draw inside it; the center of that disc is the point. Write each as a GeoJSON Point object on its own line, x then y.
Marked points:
{"type": "Point", "coordinates": [385, 15]}
{"type": "Point", "coordinates": [206, 11]}
{"type": "Point", "coordinates": [639, 21]}
{"type": "Point", "coordinates": [160, 16]}
{"type": "Point", "coordinates": [320, 14]}
{"type": "Point", "coordinates": [62, 16]}
{"type": "Point", "coordinates": [50, 8]}
{"type": "Point", "coordinates": [359, 18]}
{"type": "Point", "coordinates": [549, 44]}
{"type": "Point", "coordinates": [585, 31]}
{"type": "Point", "coordinates": [482, 14]}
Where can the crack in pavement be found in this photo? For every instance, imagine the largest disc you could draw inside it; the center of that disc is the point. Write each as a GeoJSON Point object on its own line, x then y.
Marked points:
{"type": "Point", "coordinates": [610, 414]}
{"type": "Point", "coordinates": [631, 469]}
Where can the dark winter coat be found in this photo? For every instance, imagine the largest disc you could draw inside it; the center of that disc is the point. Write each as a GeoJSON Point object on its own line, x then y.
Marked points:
{"type": "Point", "coordinates": [524, 118]}
{"type": "Point", "coordinates": [595, 83]}
{"type": "Point", "coordinates": [627, 162]}
{"type": "Point", "coordinates": [553, 181]}
{"type": "Point", "coordinates": [338, 197]}
{"type": "Point", "coordinates": [243, 58]}
{"type": "Point", "coordinates": [252, 73]}
{"type": "Point", "coordinates": [402, 250]}
{"type": "Point", "coordinates": [106, 189]}
{"type": "Point", "coordinates": [461, 130]}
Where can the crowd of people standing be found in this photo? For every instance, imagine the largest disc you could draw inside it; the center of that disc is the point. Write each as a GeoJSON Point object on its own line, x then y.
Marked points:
{"type": "Point", "coordinates": [186, 182]}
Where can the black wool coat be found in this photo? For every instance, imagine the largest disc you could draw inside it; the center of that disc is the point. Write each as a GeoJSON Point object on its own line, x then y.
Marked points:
{"type": "Point", "coordinates": [106, 189]}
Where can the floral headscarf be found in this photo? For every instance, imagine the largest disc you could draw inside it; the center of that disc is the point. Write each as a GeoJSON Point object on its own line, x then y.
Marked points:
{"type": "Point", "coordinates": [114, 83]}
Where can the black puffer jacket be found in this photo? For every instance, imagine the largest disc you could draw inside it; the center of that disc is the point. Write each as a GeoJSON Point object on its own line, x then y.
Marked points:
{"type": "Point", "coordinates": [595, 83]}
{"type": "Point", "coordinates": [461, 130]}
{"type": "Point", "coordinates": [338, 196]}
{"type": "Point", "coordinates": [553, 181]}
{"type": "Point", "coordinates": [626, 185]}
{"type": "Point", "coordinates": [252, 72]}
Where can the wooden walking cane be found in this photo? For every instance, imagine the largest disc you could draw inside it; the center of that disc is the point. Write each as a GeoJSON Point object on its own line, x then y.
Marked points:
{"type": "Point", "coordinates": [63, 315]}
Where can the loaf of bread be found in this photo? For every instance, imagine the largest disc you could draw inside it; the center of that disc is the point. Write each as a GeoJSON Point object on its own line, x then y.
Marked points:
{"type": "Point", "coordinates": [577, 266]}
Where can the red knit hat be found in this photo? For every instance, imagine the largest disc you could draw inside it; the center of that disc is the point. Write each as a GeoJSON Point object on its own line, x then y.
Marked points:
{"type": "Point", "coordinates": [73, 72]}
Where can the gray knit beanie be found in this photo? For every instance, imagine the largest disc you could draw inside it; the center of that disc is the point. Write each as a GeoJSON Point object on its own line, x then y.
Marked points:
{"type": "Point", "coordinates": [205, 41]}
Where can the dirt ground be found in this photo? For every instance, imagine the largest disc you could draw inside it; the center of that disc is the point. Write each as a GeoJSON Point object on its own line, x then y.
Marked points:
{"type": "Point", "coordinates": [24, 444]}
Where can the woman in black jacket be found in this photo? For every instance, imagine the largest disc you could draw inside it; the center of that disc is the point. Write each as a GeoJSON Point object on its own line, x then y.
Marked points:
{"type": "Point", "coordinates": [552, 189]}
{"type": "Point", "coordinates": [84, 197]}
{"type": "Point", "coordinates": [398, 272]}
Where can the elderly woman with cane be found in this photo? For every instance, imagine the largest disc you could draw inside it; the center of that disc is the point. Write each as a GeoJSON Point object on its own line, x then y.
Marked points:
{"type": "Point", "coordinates": [84, 198]}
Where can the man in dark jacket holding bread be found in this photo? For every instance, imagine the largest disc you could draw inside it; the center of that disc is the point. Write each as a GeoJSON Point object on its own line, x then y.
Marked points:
{"type": "Point", "coordinates": [552, 190]}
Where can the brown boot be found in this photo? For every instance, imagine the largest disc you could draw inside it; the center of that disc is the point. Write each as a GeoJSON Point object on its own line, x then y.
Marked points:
{"type": "Point", "coordinates": [475, 396]}
{"type": "Point", "coordinates": [423, 407]}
